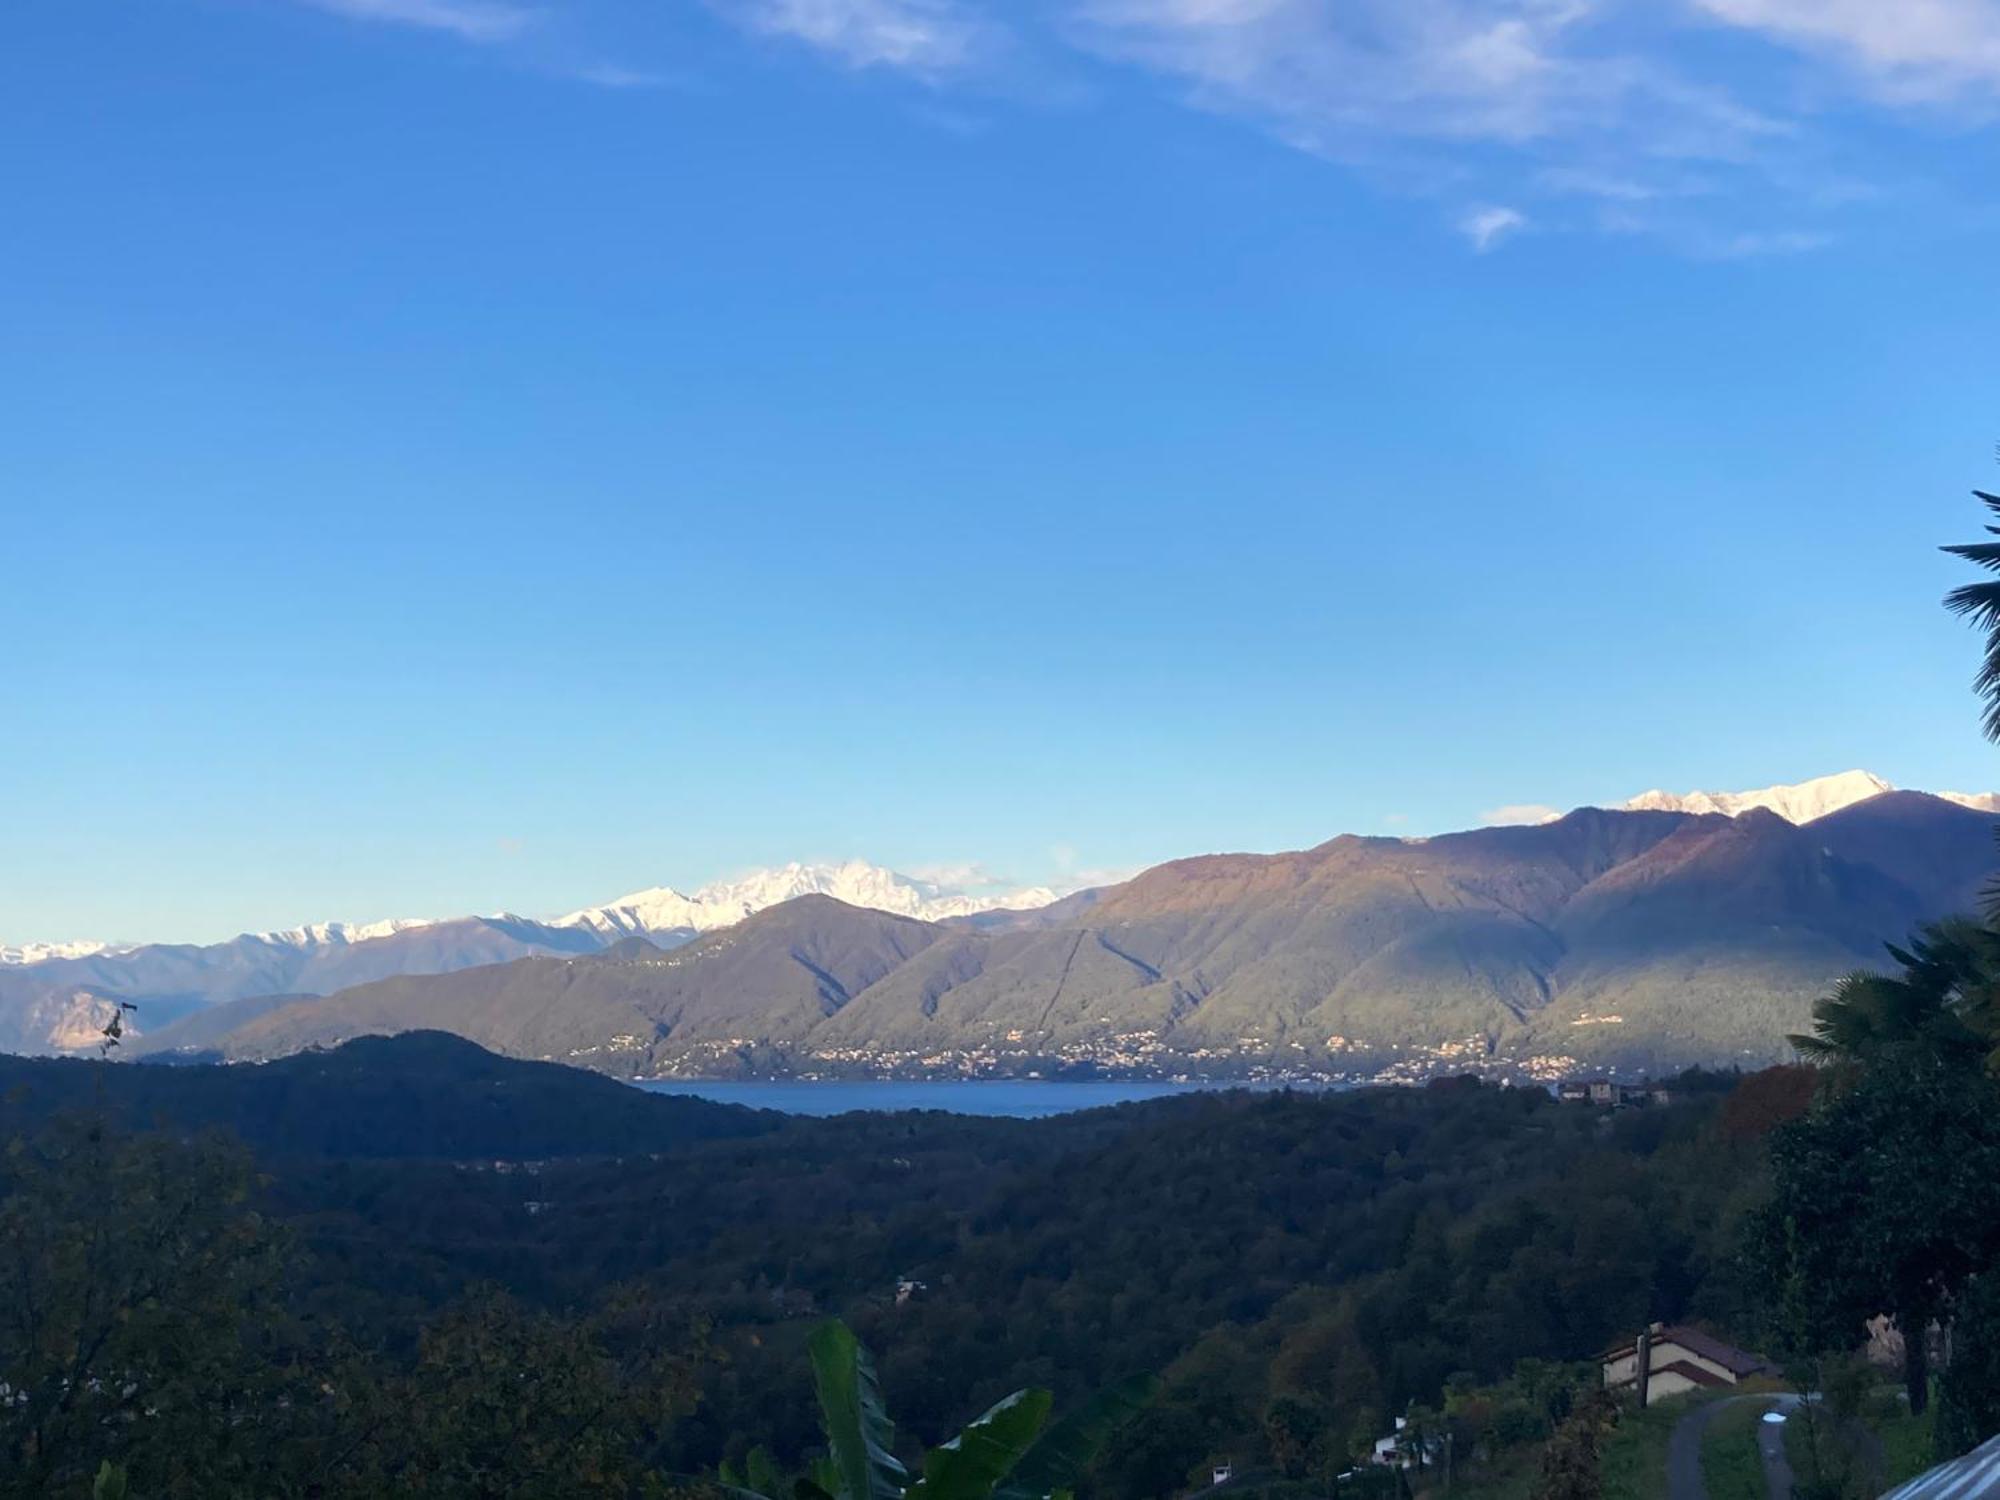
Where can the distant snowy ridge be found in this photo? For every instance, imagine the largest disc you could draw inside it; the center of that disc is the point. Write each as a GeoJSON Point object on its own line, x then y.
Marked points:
{"type": "Point", "coordinates": [312, 936]}
{"type": "Point", "coordinates": [660, 910]}
{"type": "Point", "coordinates": [340, 934]}
{"type": "Point", "coordinates": [34, 953]}
{"type": "Point", "coordinates": [858, 883]}
{"type": "Point", "coordinates": [1800, 803]}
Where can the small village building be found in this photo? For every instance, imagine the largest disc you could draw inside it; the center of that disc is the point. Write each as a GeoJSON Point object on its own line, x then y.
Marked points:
{"type": "Point", "coordinates": [1389, 1450]}
{"type": "Point", "coordinates": [1677, 1359]}
{"type": "Point", "coordinates": [1403, 1449]}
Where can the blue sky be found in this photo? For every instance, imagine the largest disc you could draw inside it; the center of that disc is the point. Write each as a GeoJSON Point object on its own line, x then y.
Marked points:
{"type": "Point", "coordinates": [464, 455]}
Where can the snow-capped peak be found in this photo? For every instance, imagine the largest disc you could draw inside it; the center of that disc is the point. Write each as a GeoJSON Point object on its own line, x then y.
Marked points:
{"type": "Point", "coordinates": [339, 934]}
{"type": "Point", "coordinates": [1800, 803]}
{"type": "Point", "coordinates": [724, 903]}
{"type": "Point", "coordinates": [1977, 801]}
{"type": "Point", "coordinates": [34, 953]}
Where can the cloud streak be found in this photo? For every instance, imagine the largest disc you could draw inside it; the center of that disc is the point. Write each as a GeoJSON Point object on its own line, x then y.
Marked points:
{"type": "Point", "coordinates": [1911, 51]}
{"type": "Point", "coordinates": [483, 22]}
{"type": "Point", "coordinates": [1556, 101]}
{"type": "Point", "coordinates": [924, 37]}
{"type": "Point", "coordinates": [1487, 227]}
{"type": "Point", "coordinates": [1561, 116]}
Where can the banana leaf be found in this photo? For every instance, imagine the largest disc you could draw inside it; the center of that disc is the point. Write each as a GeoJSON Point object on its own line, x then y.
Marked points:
{"type": "Point", "coordinates": [858, 1430]}
{"type": "Point", "coordinates": [971, 1464]}
{"type": "Point", "coordinates": [1060, 1455]}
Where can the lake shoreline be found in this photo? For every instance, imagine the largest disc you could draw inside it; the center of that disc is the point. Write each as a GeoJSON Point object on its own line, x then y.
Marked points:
{"type": "Point", "coordinates": [1012, 1098]}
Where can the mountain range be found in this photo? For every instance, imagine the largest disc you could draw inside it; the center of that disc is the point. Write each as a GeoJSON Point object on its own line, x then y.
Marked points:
{"type": "Point", "coordinates": [1672, 929]}
{"type": "Point", "coordinates": [1630, 940]}
{"type": "Point", "coordinates": [57, 997]}
{"type": "Point", "coordinates": [1798, 803]}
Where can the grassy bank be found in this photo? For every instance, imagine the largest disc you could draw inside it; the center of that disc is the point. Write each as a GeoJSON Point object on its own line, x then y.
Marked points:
{"type": "Point", "coordinates": [1731, 1467]}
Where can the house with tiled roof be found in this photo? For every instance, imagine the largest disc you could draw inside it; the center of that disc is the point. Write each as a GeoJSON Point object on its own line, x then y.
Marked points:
{"type": "Point", "coordinates": [1668, 1359]}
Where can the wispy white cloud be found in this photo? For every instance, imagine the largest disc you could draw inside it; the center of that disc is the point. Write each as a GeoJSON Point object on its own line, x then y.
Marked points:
{"type": "Point", "coordinates": [1920, 51]}
{"type": "Point", "coordinates": [1556, 101]}
{"type": "Point", "coordinates": [1338, 76]}
{"type": "Point", "coordinates": [924, 37]}
{"type": "Point", "coordinates": [1600, 116]}
{"type": "Point", "coordinates": [482, 21]}
{"type": "Point", "coordinates": [1487, 227]}
{"type": "Point", "coordinates": [969, 875]}
{"type": "Point", "coordinates": [1518, 815]}
{"type": "Point", "coordinates": [1327, 73]}
{"type": "Point", "coordinates": [1749, 246]}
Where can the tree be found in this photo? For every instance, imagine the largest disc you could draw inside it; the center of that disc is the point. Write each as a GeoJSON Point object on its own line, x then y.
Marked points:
{"type": "Point", "coordinates": [1881, 1203]}
{"type": "Point", "coordinates": [1572, 1461]}
{"type": "Point", "coordinates": [138, 1317]}
{"type": "Point", "coordinates": [1980, 603]}
{"type": "Point", "coordinates": [1940, 1001]}
{"type": "Point", "coordinates": [1969, 1389]}
{"type": "Point", "coordinates": [505, 1399]}
{"type": "Point", "coordinates": [1295, 1429]}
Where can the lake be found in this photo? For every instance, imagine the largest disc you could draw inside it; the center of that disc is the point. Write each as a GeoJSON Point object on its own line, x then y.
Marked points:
{"type": "Point", "coordinates": [1018, 1098]}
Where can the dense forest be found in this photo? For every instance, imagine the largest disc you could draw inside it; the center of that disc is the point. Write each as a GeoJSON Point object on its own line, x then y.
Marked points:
{"type": "Point", "coordinates": [1297, 1266]}
{"type": "Point", "coordinates": [505, 1277]}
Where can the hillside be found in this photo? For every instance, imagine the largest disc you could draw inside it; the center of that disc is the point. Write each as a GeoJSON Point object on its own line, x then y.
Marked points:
{"type": "Point", "coordinates": [57, 996]}
{"type": "Point", "coordinates": [421, 1094]}
{"type": "Point", "coordinates": [42, 1004]}
{"type": "Point", "coordinates": [1636, 940]}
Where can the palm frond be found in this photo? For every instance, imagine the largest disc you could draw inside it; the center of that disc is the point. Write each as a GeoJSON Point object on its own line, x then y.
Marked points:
{"type": "Point", "coordinates": [1814, 1049]}
{"type": "Point", "coordinates": [1985, 554]}
{"type": "Point", "coordinates": [1979, 604]}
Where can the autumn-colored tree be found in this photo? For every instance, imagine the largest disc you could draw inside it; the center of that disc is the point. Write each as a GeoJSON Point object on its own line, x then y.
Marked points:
{"type": "Point", "coordinates": [1573, 1459]}
{"type": "Point", "coordinates": [138, 1319]}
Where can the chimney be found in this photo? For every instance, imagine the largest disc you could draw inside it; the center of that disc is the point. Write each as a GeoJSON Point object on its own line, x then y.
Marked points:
{"type": "Point", "coordinates": [1645, 1364]}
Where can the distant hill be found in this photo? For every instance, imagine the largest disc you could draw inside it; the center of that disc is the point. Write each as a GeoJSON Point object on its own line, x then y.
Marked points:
{"type": "Point", "coordinates": [421, 1095]}
{"type": "Point", "coordinates": [50, 1003]}
{"type": "Point", "coordinates": [1636, 940]}
{"type": "Point", "coordinates": [55, 997]}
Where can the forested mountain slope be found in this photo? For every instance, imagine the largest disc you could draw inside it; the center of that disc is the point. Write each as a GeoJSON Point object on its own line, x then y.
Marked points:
{"type": "Point", "coordinates": [1639, 940]}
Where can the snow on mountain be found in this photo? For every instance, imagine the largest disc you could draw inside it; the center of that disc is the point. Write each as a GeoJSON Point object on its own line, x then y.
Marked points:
{"type": "Point", "coordinates": [1977, 801]}
{"type": "Point", "coordinates": [643, 913]}
{"type": "Point", "coordinates": [1800, 803]}
{"type": "Point", "coordinates": [34, 953]}
{"type": "Point", "coordinates": [858, 883]}
{"type": "Point", "coordinates": [311, 937]}
{"type": "Point", "coordinates": [339, 934]}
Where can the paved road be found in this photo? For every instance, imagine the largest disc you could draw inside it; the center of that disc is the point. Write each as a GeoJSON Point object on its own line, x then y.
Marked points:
{"type": "Point", "coordinates": [1771, 1444]}
{"type": "Point", "coordinates": [1684, 1448]}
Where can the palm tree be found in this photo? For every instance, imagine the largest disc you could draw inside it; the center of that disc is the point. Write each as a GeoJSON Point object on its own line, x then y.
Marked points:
{"type": "Point", "coordinates": [1003, 1455]}
{"type": "Point", "coordinates": [1980, 603]}
{"type": "Point", "coordinates": [1945, 1001]}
